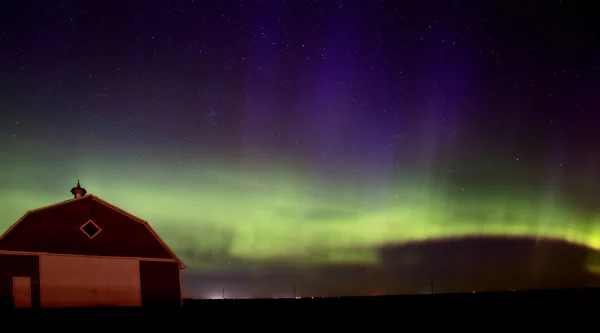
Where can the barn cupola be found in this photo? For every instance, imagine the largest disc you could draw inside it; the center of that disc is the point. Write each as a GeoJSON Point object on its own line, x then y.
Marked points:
{"type": "Point", "coordinates": [78, 191]}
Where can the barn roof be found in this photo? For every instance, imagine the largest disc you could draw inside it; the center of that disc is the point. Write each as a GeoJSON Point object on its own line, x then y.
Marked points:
{"type": "Point", "coordinates": [105, 203]}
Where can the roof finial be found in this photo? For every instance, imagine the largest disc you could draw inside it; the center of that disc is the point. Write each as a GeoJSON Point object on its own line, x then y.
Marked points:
{"type": "Point", "coordinates": [78, 191]}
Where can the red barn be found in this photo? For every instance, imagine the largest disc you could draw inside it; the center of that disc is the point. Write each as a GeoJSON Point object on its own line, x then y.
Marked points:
{"type": "Point", "coordinates": [85, 252]}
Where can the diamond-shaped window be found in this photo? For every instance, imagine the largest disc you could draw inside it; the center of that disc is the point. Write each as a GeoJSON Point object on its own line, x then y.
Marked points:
{"type": "Point", "coordinates": [90, 229]}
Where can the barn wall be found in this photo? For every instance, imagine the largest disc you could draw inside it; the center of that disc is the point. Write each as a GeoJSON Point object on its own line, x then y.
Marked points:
{"type": "Point", "coordinates": [18, 265]}
{"type": "Point", "coordinates": [56, 230]}
{"type": "Point", "coordinates": [160, 283]}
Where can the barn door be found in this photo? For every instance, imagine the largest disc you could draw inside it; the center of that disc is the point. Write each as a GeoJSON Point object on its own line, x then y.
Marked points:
{"type": "Point", "coordinates": [22, 292]}
{"type": "Point", "coordinates": [66, 281]}
{"type": "Point", "coordinates": [117, 282]}
{"type": "Point", "coordinates": [78, 281]}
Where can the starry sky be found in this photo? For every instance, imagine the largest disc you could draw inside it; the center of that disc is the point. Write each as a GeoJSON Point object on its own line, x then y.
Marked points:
{"type": "Point", "coordinates": [344, 147]}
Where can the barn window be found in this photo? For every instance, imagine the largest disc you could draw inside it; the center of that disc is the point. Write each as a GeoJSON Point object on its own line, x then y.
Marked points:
{"type": "Point", "coordinates": [90, 229]}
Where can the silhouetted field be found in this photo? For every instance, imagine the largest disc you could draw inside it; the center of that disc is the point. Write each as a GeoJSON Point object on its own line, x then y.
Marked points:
{"type": "Point", "coordinates": [382, 307]}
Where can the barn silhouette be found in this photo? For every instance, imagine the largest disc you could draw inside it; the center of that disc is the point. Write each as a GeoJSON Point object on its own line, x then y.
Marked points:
{"type": "Point", "coordinates": [86, 252]}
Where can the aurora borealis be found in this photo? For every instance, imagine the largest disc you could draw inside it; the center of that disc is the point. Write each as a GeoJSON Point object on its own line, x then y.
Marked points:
{"type": "Point", "coordinates": [348, 147]}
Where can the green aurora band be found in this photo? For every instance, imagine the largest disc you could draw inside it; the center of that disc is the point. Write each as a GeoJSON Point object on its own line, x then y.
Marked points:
{"type": "Point", "coordinates": [250, 213]}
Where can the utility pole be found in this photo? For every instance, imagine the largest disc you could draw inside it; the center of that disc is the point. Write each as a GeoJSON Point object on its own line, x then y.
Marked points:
{"type": "Point", "coordinates": [432, 286]}
{"type": "Point", "coordinates": [223, 293]}
{"type": "Point", "coordinates": [294, 290]}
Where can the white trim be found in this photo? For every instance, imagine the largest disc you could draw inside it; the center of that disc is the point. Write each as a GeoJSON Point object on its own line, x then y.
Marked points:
{"type": "Point", "coordinates": [39, 275]}
{"type": "Point", "coordinates": [115, 208]}
{"type": "Point", "coordinates": [26, 253]}
{"type": "Point", "coordinates": [180, 289]}
{"type": "Point", "coordinates": [95, 225]}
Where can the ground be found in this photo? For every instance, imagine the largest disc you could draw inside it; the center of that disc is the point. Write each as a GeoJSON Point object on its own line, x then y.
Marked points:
{"type": "Point", "coordinates": [424, 309]}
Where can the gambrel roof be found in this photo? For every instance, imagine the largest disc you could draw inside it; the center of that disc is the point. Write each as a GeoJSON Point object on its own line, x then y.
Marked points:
{"type": "Point", "coordinates": [105, 203]}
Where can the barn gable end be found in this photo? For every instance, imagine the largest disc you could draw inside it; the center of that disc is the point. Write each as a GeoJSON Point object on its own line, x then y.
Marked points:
{"type": "Point", "coordinates": [86, 225]}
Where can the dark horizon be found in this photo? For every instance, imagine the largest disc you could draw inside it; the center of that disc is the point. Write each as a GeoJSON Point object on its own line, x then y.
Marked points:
{"type": "Point", "coordinates": [270, 142]}
{"type": "Point", "coordinates": [499, 264]}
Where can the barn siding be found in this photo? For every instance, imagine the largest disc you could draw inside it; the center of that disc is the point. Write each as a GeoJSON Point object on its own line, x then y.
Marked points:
{"type": "Point", "coordinates": [56, 230]}
{"type": "Point", "coordinates": [18, 265]}
{"type": "Point", "coordinates": [160, 283]}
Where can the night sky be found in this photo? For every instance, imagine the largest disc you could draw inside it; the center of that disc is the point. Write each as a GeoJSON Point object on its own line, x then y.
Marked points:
{"type": "Point", "coordinates": [347, 147]}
